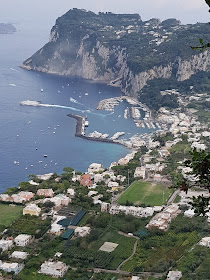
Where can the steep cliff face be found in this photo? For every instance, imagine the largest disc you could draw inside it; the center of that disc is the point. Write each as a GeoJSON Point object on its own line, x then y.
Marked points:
{"type": "Point", "coordinates": [118, 49]}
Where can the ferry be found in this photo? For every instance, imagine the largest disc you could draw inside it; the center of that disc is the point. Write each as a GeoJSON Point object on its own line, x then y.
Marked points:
{"type": "Point", "coordinates": [30, 102]}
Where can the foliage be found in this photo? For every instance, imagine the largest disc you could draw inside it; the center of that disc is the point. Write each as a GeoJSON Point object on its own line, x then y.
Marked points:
{"type": "Point", "coordinates": [158, 251]}
{"type": "Point", "coordinates": [27, 224]}
{"type": "Point", "coordinates": [200, 164]}
{"type": "Point", "coordinates": [200, 204]}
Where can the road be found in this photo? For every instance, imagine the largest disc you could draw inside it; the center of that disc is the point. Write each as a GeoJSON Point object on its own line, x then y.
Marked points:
{"type": "Point", "coordinates": [172, 198]}
{"type": "Point", "coordinates": [134, 248]}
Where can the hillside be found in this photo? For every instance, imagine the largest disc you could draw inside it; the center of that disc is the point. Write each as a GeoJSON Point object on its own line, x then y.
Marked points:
{"type": "Point", "coordinates": [7, 28]}
{"type": "Point", "coordinates": [122, 50]}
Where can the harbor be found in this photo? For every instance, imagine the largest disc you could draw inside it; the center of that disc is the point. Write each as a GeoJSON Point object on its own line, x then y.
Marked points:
{"type": "Point", "coordinates": [96, 136]}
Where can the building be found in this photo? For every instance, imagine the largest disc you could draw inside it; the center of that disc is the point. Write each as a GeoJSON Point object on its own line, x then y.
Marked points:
{"type": "Point", "coordinates": [5, 244]}
{"type": "Point", "coordinates": [82, 231]}
{"type": "Point", "coordinates": [157, 177]}
{"type": "Point", "coordinates": [189, 213]}
{"type": "Point", "coordinates": [54, 269]}
{"type": "Point", "coordinates": [25, 196]}
{"type": "Point", "coordinates": [113, 184]}
{"type": "Point", "coordinates": [11, 267]}
{"type": "Point", "coordinates": [5, 197]}
{"type": "Point", "coordinates": [163, 219]}
{"type": "Point", "coordinates": [19, 255]}
{"type": "Point", "coordinates": [205, 242]}
{"type": "Point", "coordinates": [85, 180]}
{"type": "Point", "coordinates": [132, 210]}
{"type": "Point", "coordinates": [174, 275]}
{"type": "Point", "coordinates": [71, 192]}
{"type": "Point", "coordinates": [45, 192]}
{"type": "Point", "coordinates": [95, 167]}
{"type": "Point", "coordinates": [104, 207]}
{"type": "Point", "coordinates": [45, 176]}
{"type": "Point", "coordinates": [22, 240]}
{"type": "Point", "coordinates": [140, 172]}
{"type": "Point", "coordinates": [135, 278]}
{"type": "Point", "coordinates": [59, 200]}
{"type": "Point", "coordinates": [32, 209]}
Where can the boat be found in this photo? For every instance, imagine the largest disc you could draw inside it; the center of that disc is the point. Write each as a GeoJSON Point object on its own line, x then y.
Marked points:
{"type": "Point", "coordinates": [42, 89]}
{"type": "Point", "coordinates": [45, 155]}
{"type": "Point", "coordinates": [30, 102]}
{"type": "Point", "coordinates": [86, 93]}
{"type": "Point", "coordinates": [54, 132]}
{"type": "Point", "coordinates": [86, 123]}
{"type": "Point", "coordinates": [40, 161]}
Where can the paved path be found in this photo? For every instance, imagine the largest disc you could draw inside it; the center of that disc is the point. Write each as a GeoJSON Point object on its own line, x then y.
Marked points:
{"type": "Point", "coordinates": [173, 196]}
{"type": "Point", "coordinates": [134, 248]}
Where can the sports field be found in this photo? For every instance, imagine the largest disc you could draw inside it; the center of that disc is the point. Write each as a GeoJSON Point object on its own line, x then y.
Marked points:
{"type": "Point", "coordinates": [9, 213]}
{"type": "Point", "coordinates": [145, 193]}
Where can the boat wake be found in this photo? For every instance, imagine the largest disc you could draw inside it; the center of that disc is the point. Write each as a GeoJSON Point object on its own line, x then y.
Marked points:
{"type": "Point", "coordinates": [75, 101]}
{"type": "Point", "coordinates": [38, 104]}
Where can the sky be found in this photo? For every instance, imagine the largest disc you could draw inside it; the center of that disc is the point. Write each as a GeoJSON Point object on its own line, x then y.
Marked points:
{"type": "Point", "coordinates": [188, 11]}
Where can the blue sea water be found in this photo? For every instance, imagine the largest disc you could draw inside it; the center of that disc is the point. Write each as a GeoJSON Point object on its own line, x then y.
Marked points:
{"type": "Point", "coordinates": [26, 132]}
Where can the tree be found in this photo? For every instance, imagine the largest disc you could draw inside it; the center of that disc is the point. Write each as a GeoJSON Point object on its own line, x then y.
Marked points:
{"type": "Point", "coordinates": [200, 165]}
{"type": "Point", "coordinates": [203, 46]}
{"type": "Point", "coordinates": [24, 185]}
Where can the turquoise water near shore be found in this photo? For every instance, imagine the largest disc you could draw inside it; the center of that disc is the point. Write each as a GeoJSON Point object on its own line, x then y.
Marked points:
{"type": "Point", "coordinates": [26, 132]}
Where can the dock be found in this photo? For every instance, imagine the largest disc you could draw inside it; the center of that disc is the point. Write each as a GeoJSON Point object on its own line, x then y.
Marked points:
{"type": "Point", "coordinates": [80, 131]}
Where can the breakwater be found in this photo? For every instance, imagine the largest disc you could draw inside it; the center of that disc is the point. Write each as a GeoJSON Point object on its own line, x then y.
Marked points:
{"type": "Point", "coordinates": [80, 131]}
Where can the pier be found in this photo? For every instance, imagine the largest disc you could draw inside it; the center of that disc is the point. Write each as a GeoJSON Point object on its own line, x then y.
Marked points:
{"type": "Point", "coordinates": [80, 131]}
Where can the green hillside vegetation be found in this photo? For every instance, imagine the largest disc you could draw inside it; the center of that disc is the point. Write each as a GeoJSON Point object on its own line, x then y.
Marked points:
{"type": "Point", "coordinates": [158, 250]}
{"type": "Point", "coordinates": [145, 193]}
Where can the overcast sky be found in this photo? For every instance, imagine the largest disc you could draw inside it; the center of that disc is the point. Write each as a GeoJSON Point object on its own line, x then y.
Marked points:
{"type": "Point", "coordinates": [188, 11]}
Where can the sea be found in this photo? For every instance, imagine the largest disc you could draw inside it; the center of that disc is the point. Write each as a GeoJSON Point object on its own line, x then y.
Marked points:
{"type": "Point", "coordinates": [28, 133]}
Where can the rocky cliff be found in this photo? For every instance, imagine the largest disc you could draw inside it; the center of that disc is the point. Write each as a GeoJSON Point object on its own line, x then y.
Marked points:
{"type": "Point", "coordinates": [121, 50]}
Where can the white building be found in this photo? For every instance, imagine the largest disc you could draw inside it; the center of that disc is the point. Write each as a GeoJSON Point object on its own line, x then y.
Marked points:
{"type": "Point", "coordinates": [45, 176]}
{"type": "Point", "coordinates": [22, 240]}
{"type": "Point", "coordinates": [95, 167]}
{"type": "Point", "coordinates": [59, 200]}
{"type": "Point", "coordinates": [71, 192]}
{"type": "Point", "coordinates": [135, 278]}
{"type": "Point", "coordinates": [132, 210]}
{"type": "Point", "coordinates": [54, 269]}
{"type": "Point", "coordinates": [19, 255]}
{"type": "Point", "coordinates": [189, 213]}
{"type": "Point", "coordinates": [113, 184]}
{"type": "Point", "coordinates": [205, 242]}
{"type": "Point", "coordinates": [11, 267]}
{"type": "Point", "coordinates": [5, 244]}
{"type": "Point", "coordinates": [140, 172]}
{"type": "Point", "coordinates": [82, 231]}
{"type": "Point", "coordinates": [174, 275]}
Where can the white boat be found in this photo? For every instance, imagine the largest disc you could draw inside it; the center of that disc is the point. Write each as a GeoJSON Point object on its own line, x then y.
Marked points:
{"type": "Point", "coordinates": [30, 102]}
{"type": "Point", "coordinates": [86, 93]}
{"type": "Point", "coordinates": [54, 132]}
{"type": "Point", "coordinates": [42, 89]}
{"type": "Point", "coordinates": [86, 123]}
